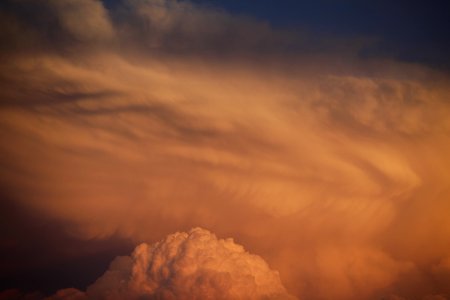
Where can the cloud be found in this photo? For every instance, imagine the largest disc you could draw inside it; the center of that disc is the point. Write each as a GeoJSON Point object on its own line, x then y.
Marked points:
{"type": "Point", "coordinates": [67, 26]}
{"type": "Point", "coordinates": [86, 20]}
{"type": "Point", "coordinates": [192, 265]}
{"type": "Point", "coordinates": [333, 169]}
{"type": "Point", "coordinates": [435, 297]}
{"type": "Point", "coordinates": [68, 294]}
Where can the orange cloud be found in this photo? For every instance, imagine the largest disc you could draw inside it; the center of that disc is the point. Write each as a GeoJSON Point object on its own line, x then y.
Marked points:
{"type": "Point", "coordinates": [193, 265]}
{"type": "Point", "coordinates": [336, 173]}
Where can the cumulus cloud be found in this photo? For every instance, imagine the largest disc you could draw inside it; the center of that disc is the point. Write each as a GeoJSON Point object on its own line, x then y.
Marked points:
{"type": "Point", "coordinates": [192, 265]}
{"type": "Point", "coordinates": [333, 169]}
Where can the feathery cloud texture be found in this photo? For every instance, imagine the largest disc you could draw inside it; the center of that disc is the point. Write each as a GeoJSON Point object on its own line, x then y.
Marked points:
{"type": "Point", "coordinates": [155, 117]}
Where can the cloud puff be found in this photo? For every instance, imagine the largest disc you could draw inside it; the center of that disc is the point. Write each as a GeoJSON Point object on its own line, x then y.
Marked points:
{"type": "Point", "coordinates": [192, 265]}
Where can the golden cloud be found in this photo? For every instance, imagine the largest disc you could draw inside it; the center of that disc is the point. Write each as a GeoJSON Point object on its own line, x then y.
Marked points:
{"type": "Point", "coordinates": [337, 174]}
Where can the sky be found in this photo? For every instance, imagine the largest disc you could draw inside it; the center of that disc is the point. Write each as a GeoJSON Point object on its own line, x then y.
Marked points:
{"type": "Point", "coordinates": [413, 31]}
{"type": "Point", "coordinates": [163, 149]}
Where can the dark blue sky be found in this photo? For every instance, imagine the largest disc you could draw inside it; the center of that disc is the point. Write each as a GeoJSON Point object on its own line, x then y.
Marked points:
{"type": "Point", "coordinates": [407, 30]}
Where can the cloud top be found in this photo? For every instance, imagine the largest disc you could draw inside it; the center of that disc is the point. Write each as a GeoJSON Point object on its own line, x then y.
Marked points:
{"type": "Point", "coordinates": [192, 265]}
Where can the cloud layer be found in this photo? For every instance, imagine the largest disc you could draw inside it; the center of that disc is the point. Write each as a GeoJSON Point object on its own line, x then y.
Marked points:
{"type": "Point", "coordinates": [156, 117]}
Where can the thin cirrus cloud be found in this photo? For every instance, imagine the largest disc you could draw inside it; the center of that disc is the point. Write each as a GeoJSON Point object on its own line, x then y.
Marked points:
{"type": "Point", "coordinates": [154, 117]}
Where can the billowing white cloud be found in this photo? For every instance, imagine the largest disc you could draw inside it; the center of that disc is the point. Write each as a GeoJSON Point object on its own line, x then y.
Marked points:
{"type": "Point", "coordinates": [192, 265]}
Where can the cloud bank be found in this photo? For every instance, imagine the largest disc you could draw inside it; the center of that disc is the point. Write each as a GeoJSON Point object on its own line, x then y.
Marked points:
{"type": "Point", "coordinates": [159, 116]}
